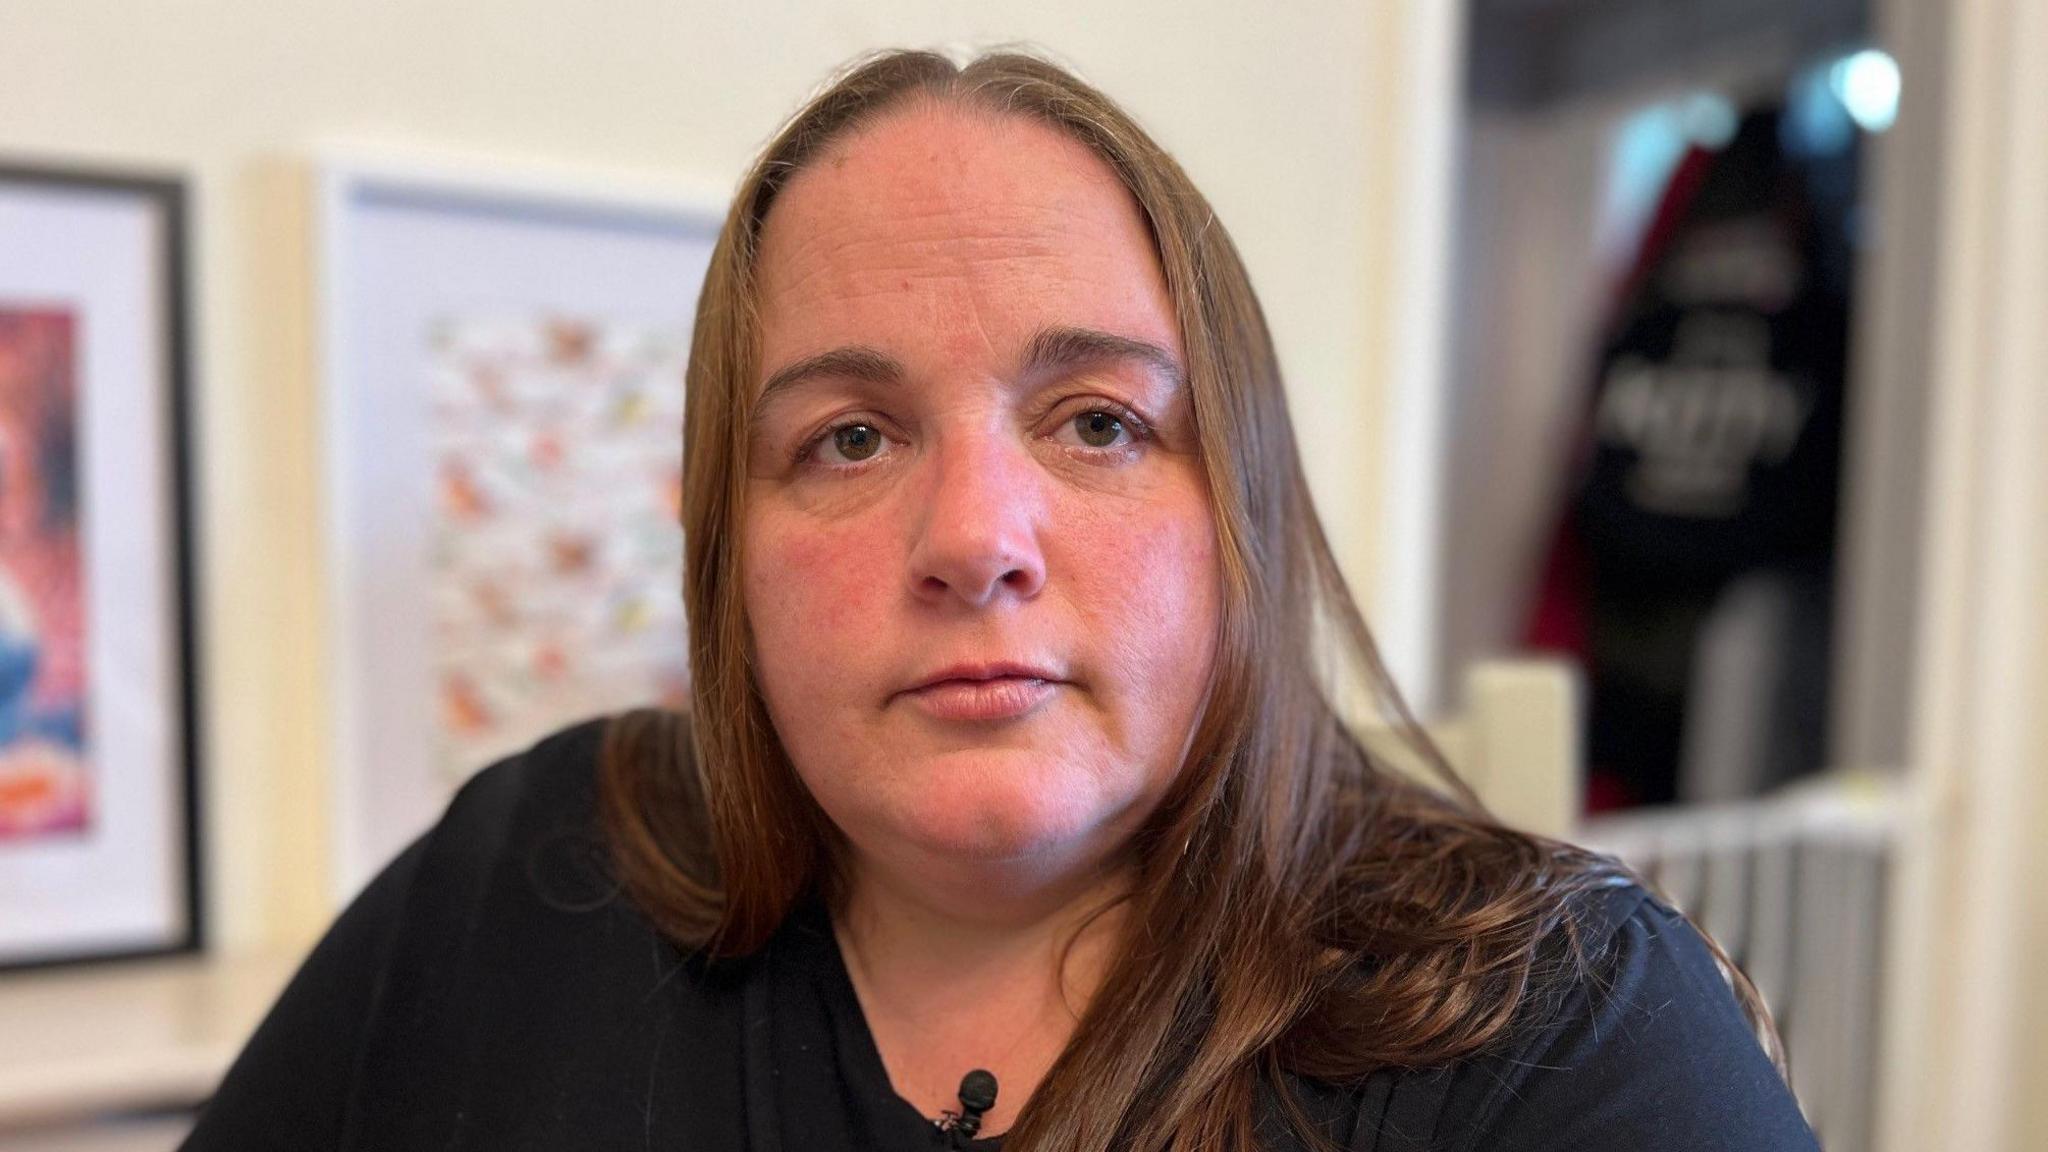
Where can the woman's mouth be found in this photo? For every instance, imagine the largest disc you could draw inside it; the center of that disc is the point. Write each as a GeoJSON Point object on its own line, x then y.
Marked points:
{"type": "Point", "coordinates": [997, 698]}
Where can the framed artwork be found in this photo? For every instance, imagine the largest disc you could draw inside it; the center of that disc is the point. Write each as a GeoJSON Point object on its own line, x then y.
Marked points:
{"type": "Point", "coordinates": [504, 361]}
{"type": "Point", "coordinates": [99, 747]}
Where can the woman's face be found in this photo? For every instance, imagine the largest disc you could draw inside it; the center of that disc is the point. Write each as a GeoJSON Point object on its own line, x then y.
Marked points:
{"type": "Point", "coordinates": [980, 567]}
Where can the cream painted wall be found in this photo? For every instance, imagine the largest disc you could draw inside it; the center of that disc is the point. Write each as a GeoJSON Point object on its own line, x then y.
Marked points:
{"type": "Point", "coordinates": [1301, 121]}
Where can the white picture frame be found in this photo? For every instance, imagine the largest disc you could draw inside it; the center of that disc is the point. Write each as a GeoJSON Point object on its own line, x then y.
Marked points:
{"type": "Point", "coordinates": [404, 246]}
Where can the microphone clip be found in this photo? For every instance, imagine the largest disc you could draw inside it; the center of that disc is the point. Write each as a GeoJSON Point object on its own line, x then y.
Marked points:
{"type": "Point", "coordinates": [977, 1096]}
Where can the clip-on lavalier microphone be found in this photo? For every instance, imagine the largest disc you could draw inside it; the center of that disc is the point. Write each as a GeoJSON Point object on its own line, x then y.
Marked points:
{"type": "Point", "coordinates": [977, 1095]}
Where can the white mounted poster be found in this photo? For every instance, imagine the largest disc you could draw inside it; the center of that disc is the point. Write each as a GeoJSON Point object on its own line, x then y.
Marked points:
{"type": "Point", "coordinates": [99, 749]}
{"type": "Point", "coordinates": [504, 368]}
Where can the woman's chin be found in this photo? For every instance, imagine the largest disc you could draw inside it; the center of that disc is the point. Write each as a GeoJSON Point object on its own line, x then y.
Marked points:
{"type": "Point", "coordinates": [999, 809]}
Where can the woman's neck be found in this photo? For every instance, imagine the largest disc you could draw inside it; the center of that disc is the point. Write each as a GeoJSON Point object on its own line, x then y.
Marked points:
{"type": "Point", "coordinates": [953, 982]}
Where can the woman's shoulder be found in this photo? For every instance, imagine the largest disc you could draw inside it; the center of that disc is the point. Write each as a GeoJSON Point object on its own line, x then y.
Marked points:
{"type": "Point", "coordinates": [521, 973]}
{"type": "Point", "coordinates": [525, 836]}
{"type": "Point", "coordinates": [554, 774]}
{"type": "Point", "coordinates": [534, 808]}
{"type": "Point", "coordinates": [1639, 1043]}
{"type": "Point", "coordinates": [489, 984]}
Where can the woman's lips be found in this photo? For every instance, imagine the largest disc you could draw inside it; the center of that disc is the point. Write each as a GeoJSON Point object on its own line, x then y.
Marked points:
{"type": "Point", "coordinates": [1001, 698]}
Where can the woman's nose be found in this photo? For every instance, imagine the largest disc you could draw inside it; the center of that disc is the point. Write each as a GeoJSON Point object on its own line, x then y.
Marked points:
{"type": "Point", "coordinates": [978, 539]}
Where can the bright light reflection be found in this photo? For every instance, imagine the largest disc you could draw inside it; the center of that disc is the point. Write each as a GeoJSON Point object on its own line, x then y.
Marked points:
{"type": "Point", "coordinates": [1867, 84]}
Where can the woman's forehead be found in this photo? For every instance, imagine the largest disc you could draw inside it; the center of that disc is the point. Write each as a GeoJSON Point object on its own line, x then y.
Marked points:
{"type": "Point", "coordinates": [937, 225]}
{"type": "Point", "coordinates": [947, 165]}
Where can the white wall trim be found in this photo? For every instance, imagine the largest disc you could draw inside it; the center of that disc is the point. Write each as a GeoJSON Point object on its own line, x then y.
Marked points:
{"type": "Point", "coordinates": [1964, 1017]}
{"type": "Point", "coordinates": [1413, 197]}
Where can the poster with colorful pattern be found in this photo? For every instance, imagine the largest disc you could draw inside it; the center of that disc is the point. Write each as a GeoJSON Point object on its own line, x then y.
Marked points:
{"type": "Point", "coordinates": [557, 553]}
{"type": "Point", "coordinates": [45, 783]}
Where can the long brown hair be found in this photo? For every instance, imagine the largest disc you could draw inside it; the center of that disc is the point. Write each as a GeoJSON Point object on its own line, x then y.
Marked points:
{"type": "Point", "coordinates": [1301, 907]}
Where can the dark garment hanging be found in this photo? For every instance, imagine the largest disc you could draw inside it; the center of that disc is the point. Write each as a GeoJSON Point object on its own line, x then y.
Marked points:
{"type": "Point", "coordinates": [1708, 480]}
{"type": "Point", "coordinates": [492, 991]}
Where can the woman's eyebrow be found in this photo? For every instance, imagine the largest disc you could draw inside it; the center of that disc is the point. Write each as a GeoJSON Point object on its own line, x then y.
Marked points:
{"type": "Point", "coordinates": [1050, 349]}
{"type": "Point", "coordinates": [853, 361]}
{"type": "Point", "coordinates": [1059, 346]}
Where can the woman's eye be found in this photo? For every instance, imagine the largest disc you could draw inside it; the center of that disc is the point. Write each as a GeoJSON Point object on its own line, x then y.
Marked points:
{"type": "Point", "coordinates": [1099, 429]}
{"type": "Point", "coordinates": [857, 441]}
{"type": "Point", "coordinates": [842, 446]}
{"type": "Point", "coordinates": [853, 443]}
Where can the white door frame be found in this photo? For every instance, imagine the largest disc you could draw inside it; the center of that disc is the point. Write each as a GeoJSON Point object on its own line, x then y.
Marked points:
{"type": "Point", "coordinates": [1966, 1009]}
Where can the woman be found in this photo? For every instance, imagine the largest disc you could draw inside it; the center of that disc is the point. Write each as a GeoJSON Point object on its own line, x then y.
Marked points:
{"type": "Point", "coordinates": [1007, 750]}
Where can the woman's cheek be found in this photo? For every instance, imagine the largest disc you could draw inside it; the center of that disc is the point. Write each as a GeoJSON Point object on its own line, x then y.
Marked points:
{"type": "Point", "coordinates": [1165, 561]}
{"type": "Point", "coordinates": [808, 583]}
{"type": "Point", "coordinates": [1181, 581]}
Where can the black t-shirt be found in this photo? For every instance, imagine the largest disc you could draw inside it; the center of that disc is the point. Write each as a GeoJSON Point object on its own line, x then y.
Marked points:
{"type": "Point", "coordinates": [492, 990]}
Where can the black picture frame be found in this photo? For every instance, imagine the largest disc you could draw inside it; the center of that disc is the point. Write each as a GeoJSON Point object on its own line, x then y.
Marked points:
{"type": "Point", "coordinates": [163, 199]}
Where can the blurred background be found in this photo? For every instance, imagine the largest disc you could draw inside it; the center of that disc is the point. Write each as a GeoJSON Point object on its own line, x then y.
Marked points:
{"type": "Point", "coordinates": [1669, 373]}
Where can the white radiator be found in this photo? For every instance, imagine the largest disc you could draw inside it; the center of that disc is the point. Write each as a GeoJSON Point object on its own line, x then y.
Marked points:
{"type": "Point", "coordinates": [1795, 887]}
